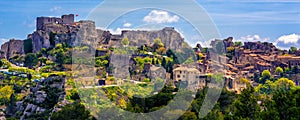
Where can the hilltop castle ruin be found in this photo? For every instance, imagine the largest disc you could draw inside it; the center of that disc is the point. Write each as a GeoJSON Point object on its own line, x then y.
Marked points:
{"type": "Point", "coordinates": [65, 20]}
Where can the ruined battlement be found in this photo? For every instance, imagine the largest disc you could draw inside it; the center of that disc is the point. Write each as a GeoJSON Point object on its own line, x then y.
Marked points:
{"type": "Point", "coordinates": [65, 20]}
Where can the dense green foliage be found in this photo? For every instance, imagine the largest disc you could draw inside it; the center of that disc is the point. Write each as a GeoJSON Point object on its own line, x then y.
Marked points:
{"type": "Point", "coordinates": [75, 111]}
{"type": "Point", "coordinates": [30, 60]}
{"type": "Point", "coordinates": [28, 46]}
{"type": "Point", "coordinates": [5, 94]}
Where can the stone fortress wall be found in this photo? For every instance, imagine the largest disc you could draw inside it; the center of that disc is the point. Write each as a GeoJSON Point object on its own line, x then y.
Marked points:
{"type": "Point", "coordinates": [65, 19]}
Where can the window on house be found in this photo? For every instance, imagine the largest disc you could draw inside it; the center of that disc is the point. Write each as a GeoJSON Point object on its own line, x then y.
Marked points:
{"type": "Point", "coordinates": [178, 76]}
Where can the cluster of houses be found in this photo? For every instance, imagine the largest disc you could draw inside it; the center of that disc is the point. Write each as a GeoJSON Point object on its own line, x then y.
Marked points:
{"type": "Point", "coordinates": [251, 58]}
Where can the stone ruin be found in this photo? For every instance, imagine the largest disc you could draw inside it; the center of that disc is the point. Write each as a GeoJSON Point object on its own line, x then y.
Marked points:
{"type": "Point", "coordinates": [65, 20]}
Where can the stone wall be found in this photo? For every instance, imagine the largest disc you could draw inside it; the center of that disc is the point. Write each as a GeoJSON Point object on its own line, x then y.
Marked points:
{"type": "Point", "coordinates": [65, 19]}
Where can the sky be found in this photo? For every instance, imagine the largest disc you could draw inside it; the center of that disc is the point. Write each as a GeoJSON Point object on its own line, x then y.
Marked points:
{"type": "Point", "coordinates": [276, 21]}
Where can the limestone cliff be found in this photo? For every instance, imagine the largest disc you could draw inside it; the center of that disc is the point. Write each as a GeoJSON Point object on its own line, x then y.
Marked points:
{"type": "Point", "coordinates": [85, 32]}
{"type": "Point", "coordinates": [12, 47]}
{"type": "Point", "coordinates": [169, 36]}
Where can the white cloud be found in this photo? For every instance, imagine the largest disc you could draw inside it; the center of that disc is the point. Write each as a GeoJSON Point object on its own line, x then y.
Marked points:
{"type": "Point", "coordinates": [3, 40]}
{"type": "Point", "coordinates": [253, 38]}
{"type": "Point", "coordinates": [159, 16]}
{"type": "Point", "coordinates": [55, 9]}
{"type": "Point", "coordinates": [292, 38]}
{"type": "Point", "coordinates": [287, 41]}
{"type": "Point", "coordinates": [127, 25]}
{"type": "Point", "coordinates": [118, 30]}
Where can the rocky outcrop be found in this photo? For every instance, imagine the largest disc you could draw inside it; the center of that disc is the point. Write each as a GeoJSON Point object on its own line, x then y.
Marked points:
{"type": "Point", "coordinates": [49, 91]}
{"type": "Point", "coordinates": [12, 47]}
{"type": "Point", "coordinates": [169, 36]}
{"type": "Point", "coordinates": [228, 42]}
{"type": "Point", "coordinates": [258, 46]}
{"type": "Point", "coordinates": [40, 39]}
{"type": "Point", "coordinates": [50, 36]}
{"type": "Point", "coordinates": [85, 33]}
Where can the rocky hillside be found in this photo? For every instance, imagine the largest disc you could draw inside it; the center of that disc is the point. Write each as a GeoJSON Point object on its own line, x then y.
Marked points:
{"type": "Point", "coordinates": [85, 32]}
{"type": "Point", "coordinates": [169, 36]}
{"type": "Point", "coordinates": [41, 102]}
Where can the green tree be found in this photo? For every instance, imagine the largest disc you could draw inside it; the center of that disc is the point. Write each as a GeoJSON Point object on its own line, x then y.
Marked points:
{"type": "Point", "coordinates": [42, 60]}
{"type": "Point", "coordinates": [30, 60]}
{"type": "Point", "coordinates": [269, 111]}
{"type": "Point", "coordinates": [293, 49]}
{"type": "Point", "coordinates": [170, 53]}
{"type": "Point", "coordinates": [169, 67]}
{"type": "Point", "coordinates": [200, 56]}
{"type": "Point", "coordinates": [266, 74]}
{"type": "Point", "coordinates": [230, 49]}
{"type": "Point", "coordinates": [5, 93]}
{"type": "Point", "coordinates": [284, 84]}
{"type": "Point", "coordinates": [44, 51]}
{"type": "Point", "coordinates": [1, 63]}
{"type": "Point", "coordinates": [52, 38]}
{"type": "Point", "coordinates": [246, 105]}
{"type": "Point", "coordinates": [125, 41]}
{"type": "Point", "coordinates": [286, 106]}
{"type": "Point", "coordinates": [256, 77]}
{"type": "Point", "coordinates": [60, 57]}
{"type": "Point", "coordinates": [158, 41]}
{"type": "Point", "coordinates": [238, 43]}
{"type": "Point", "coordinates": [164, 63]}
{"type": "Point", "coordinates": [101, 63]}
{"type": "Point", "coordinates": [75, 111]}
{"type": "Point", "coordinates": [295, 69]}
{"type": "Point", "coordinates": [153, 62]}
{"type": "Point", "coordinates": [279, 71]}
{"type": "Point", "coordinates": [27, 46]}
{"type": "Point", "coordinates": [287, 70]}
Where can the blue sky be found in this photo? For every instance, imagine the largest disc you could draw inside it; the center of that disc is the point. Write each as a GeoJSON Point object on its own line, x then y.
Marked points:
{"type": "Point", "coordinates": [276, 21]}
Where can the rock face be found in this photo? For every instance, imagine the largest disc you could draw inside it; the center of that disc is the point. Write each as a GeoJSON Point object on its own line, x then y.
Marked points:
{"type": "Point", "coordinates": [266, 47]}
{"type": "Point", "coordinates": [84, 32]}
{"type": "Point", "coordinates": [40, 39]}
{"type": "Point", "coordinates": [12, 47]}
{"type": "Point", "coordinates": [169, 36]}
{"type": "Point", "coordinates": [45, 95]}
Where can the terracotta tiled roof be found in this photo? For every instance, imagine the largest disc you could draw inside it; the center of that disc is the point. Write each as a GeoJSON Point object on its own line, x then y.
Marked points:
{"type": "Point", "coordinates": [231, 66]}
{"type": "Point", "coordinates": [253, 55]}
{"type": "Point", "coordinates": [186, 69]}
{"type": "Point", "coordinates": [249, 68]}
{"type": "Point", "coordinates": [247, 51]}
{"type": "Point", "coordinates": [263, 63]}
{"type": "Point", "coordinates": [284, 57]}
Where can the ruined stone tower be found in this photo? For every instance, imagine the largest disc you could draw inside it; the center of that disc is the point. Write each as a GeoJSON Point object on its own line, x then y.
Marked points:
{"type": "Point", "coordinates": [65, 20]}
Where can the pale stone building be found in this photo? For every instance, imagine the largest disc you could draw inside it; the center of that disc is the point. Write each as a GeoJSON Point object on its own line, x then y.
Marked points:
{"type": "Point", "coordinates": [189, 77]}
